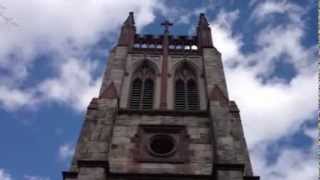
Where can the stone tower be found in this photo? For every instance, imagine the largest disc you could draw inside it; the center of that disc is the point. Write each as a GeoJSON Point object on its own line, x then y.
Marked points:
{"type": "Point", "coordinates": [163, 112]}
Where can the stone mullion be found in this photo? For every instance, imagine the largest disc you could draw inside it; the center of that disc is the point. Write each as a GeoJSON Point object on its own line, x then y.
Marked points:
{"type": "Point", "coordinates": [141, 95]}
{"type": "Point", "coordinates": [185, 83]}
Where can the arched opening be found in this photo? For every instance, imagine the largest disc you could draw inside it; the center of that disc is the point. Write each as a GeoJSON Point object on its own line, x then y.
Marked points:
{"type": "Point", "coordinates": [186, 89]}
{"type": "Point", "coordinates": [142, 88]}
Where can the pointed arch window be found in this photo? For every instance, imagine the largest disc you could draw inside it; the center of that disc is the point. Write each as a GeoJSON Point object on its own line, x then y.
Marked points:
{"type": "Point", "coordinates": [142, 88]}
{"type": "Point", "coordinates": [186, 89]}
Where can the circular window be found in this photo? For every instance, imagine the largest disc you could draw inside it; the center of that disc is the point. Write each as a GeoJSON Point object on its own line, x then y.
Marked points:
{"type": "Point", "coordinates": [162, 145]}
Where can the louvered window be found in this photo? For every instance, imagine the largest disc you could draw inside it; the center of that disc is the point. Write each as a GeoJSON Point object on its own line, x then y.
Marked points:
{"type": "Point", "coordinates": [192, 95]}
{"type": "Point", "coordinates": [186, 90]}
{"type": "Point", "coordinates": [142, 88]}
{"type": "Point", "coordinates": [147, 94]}
{"type": "Point", "coordinates": [180, 95]}
{"type": "Point", "coordinates": [135, 97]}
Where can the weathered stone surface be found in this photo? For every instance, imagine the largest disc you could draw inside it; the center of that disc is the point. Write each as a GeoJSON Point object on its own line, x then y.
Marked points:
{"type": "Point", "coordinates": [206, 143]}
{"type": "Point", "coordinates": [125, 129]}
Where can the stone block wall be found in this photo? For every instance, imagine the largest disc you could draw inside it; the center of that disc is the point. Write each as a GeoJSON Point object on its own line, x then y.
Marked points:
{"type": "Point", "coordinates": [121, 156]}
{"type": "Point", "coordinates": [93, 143]}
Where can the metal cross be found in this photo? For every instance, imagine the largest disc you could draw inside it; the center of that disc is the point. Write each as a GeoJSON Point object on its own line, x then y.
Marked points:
{"type": "Point", "coordinates": [166, 25]}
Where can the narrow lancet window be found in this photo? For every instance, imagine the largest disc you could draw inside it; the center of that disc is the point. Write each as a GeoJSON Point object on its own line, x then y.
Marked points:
{"type": "Point", "coordinates": [147, 100]}
{"type": "Point", "coordinates": [192, 95]}
{"type": "Point", "coordinates": [180, 95]}
{"type": "Point", "coordinates": [142, 88]}
{"type": "Point", "coordinates": [135, 96]}
{"type": "Point", "coordinates": [186, 89]}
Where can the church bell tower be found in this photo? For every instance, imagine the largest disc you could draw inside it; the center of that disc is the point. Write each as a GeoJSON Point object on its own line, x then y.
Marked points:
{"type": "Point", "coordinates": [163, 112]}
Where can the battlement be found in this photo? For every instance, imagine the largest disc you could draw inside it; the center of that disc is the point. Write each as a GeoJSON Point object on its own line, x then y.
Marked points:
{"type": "Point", "coordinates": [155, 42]}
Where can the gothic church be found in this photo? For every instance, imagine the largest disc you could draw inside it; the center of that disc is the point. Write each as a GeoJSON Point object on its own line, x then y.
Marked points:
{"type": "Point", "coordinates": [163, 113]}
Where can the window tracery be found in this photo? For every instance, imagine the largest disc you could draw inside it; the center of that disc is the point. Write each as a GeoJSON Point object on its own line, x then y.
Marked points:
{"type": "Point", "coordinates": [142, 88]}
{"type": "Point", "coordinates": [186, 89]}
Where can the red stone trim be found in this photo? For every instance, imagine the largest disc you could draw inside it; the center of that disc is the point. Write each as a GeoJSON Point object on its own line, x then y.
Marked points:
{"type": "Point", "coordinates": [216, 94]}
{"type": "Point", "coordinates": [110, 92]}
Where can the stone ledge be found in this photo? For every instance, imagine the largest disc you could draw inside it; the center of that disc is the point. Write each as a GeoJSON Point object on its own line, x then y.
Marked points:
{"type": "Point", "coordinates": [88, 163]}
{"type": "Point", "coordinates": [251, 178]}
{"type": "Point", "coordinates": [228, 167]}
{"type": "Point", "coordinates": [164, 112]}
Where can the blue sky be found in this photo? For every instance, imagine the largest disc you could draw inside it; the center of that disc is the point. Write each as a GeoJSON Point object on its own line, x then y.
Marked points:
{"type": "Point", "coordinates": [53, 54]}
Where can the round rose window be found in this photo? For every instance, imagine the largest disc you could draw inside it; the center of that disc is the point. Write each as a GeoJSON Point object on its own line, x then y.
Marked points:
{"type": "Point", "coordinates": [162, 145]}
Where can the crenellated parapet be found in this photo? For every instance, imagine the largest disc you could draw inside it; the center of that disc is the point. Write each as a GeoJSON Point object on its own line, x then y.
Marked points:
{"type": "Point", "coordinates": [155, 42]}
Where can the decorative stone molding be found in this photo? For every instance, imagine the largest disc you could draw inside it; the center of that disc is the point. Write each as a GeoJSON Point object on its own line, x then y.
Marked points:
{"type": "Point", "coordinates": [162, 144]}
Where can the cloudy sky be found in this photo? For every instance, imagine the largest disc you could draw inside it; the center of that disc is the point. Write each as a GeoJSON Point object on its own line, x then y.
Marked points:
{"type": "Point", "coordinates": [53, 54]}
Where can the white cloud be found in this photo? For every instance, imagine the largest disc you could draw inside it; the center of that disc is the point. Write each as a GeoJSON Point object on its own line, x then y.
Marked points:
{"type": "Point", "coordinates": [268, 108]}
{"type": "Point", "coordinates": [227, 43]}
{"type": "Point", "coordinates": [272, 109]}
{"type": "Point", "coordinates": [62, 27]}
{"type": "Point", "coordinates": [74, 84]}
{"type": "Point", "coordinates": [312, 133]}
{"type": "Point", "coordinates": [28, 177]}
{"type": "Point", "coordinates": [4, 175]}
{"type": "Point", "coordinates": [66, 28]}
{"type": "Point", "coordinates": [14, 98]}
{"type": "Point", "coordinates": [184, 16]}
{"type": "Point", "coordinates": [291, 164]}
{"type": "Point", "coordinates": [66, 151]}
{"type": "Point", "coordinates": [288, 43]}
{"type": "Point", "coordinates": [58, 22]}
{"type": "Point", "coordinates": [268, 8]}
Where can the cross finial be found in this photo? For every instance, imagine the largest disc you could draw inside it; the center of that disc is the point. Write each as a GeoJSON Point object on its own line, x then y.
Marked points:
{"type": "Point", "coordinates": [166, 25]}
